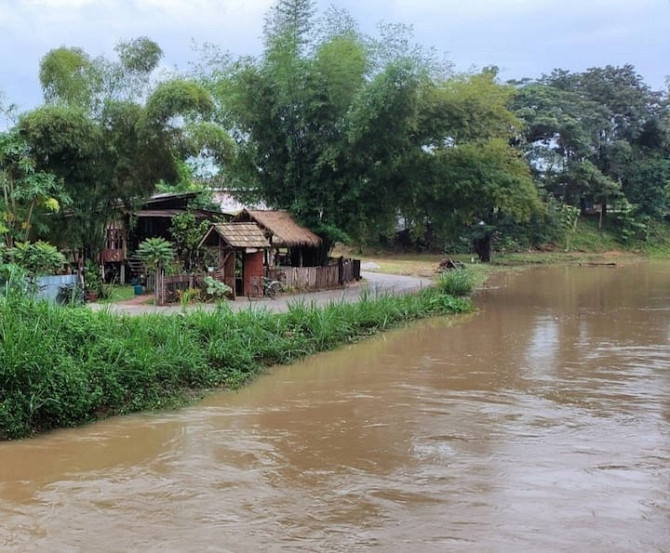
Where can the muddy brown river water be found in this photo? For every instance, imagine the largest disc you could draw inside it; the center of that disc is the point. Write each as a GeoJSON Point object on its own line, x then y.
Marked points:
{"type": "Point", "coordinates": [540, 424]}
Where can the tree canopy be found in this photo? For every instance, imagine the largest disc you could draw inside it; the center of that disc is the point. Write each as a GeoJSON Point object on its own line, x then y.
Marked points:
{"type": "Point", "coordinates": [360, 137]}
{"type": "Point", "coordinates": [351, 133]}
{"type": "Point", "coordinates": [110, 136]}
{"type": "Point", "coordinates": [598, 136]}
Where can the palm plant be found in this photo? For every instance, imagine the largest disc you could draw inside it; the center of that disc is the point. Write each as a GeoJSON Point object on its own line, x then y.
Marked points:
{"type": "Point", "coordinates": [155, 253]}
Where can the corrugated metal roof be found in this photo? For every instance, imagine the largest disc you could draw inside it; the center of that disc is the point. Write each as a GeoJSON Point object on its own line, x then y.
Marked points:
{"type": "Point", "coordinates": [164, 213]}
{"type": "Point", "coordinates": [169, 213]}
{"type": "Point", "coordinates": [169, 196]}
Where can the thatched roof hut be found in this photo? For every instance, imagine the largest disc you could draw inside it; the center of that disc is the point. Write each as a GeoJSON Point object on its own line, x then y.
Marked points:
{"type": "Point", "coordinates": [281, 229]}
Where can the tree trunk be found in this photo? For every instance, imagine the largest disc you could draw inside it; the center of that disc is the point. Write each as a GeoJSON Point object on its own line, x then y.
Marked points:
{"type": "Point", "coordinates": [483, 248]}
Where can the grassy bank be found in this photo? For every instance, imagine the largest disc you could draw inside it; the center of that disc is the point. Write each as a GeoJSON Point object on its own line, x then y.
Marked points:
{"type": "Point", "coordinates": [62, 367]}
{"type": "Point", "coordinates": [588, 244]}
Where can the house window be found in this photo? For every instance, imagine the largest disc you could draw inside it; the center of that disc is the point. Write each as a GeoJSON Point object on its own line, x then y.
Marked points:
{"type": "Point", "coordinates": [114, 239]}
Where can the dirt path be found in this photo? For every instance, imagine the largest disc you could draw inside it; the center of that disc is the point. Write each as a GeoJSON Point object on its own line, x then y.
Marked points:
{"type": "Point", "coordinates": [372, 283]}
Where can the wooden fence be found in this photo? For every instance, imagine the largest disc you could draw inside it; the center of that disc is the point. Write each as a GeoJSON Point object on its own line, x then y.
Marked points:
{"type": "Point", "coordinates": [171, 287]}
{"type": "Point", "coordinates": [338, 273]}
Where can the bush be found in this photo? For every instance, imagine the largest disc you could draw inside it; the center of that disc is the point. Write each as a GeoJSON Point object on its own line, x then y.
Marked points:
{"type": "Point", "coordinates": [456, 282]}
{"type": "Point", "coordinates": [38, 258]}
{"type": "Point", "coordinates": [215, 288]}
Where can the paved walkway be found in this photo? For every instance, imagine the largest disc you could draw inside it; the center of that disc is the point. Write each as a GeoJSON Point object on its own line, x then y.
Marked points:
{"type": "Point", "coordinates": [373, 283]}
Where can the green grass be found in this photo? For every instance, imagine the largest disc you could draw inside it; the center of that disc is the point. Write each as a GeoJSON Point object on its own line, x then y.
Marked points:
{"type": "Point", "coordinates": [588, 238]}
{"type": "Point", "coordinates": [119, 293]}
{"type": "Point", "coordinates": [61, 367]}
{"type": "Point", "coordinates": [456, 282]}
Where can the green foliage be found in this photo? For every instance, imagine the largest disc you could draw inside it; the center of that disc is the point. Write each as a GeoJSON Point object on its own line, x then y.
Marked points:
{"type": "Point", "coordinates": [188, 296]}
{"type": "Point", "coordinates": [215, 288]}
{"type": "Point", "coordinates": [569, 218]}
{"type": "Point", "coordinates": [68, 76]}
{"type": "Point", "coordinates": [38, 258]}
{"type": "Point", "coordinates": [155, 253]}
{"type": "Point", "coordinates": [116, 293]}
{"type": "Point", "coordinates": [187, 234]}
{"type": "Point", "coordinates": [16, 282]}
{"type": "Point", "coordinates": [598, 136]}
{"type": "Point", "coordinates": [110, 138]}
{"type": "Point", "coordinates": [93, 278]}
{"type": "Point", "coordinates": [349, 132]}
{"type": "Point", "coordinates": [177, 97]}
{"type": "Point", "coordinates": [647, 185]}
{"type": "Point", "coordinates": [590, 238]}
{"type": "Point", "coordinates": [63, 367]}
{"type": "Point", "coordinates": [139, 56]}
{"type": "Point", "coordinates": [456, 282]}
{"type": "Point", "coordinates": [27, 196]}
{"type": "Point", "coordinates": [66, 143]}
{"type": "Point", "coordinates": [321, 131]}
{"type": "Point", "coordinates": [632, 224]}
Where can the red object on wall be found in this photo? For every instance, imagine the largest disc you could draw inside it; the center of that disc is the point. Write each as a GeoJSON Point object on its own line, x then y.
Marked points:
{"type": "Point", "coordinates": [253, 270]}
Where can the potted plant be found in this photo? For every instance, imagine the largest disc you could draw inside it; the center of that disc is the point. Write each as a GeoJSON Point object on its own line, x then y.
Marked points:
{"type": "Point", "coordinates": [92, 282]}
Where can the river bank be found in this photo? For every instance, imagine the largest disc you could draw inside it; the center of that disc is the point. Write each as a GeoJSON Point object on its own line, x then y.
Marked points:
{"type": "Point", "coordinates": [65, 367]}
{"type": "Point", "coordinates": [62, 367]}
{"type": "Point", "coordinates": [545, 411]}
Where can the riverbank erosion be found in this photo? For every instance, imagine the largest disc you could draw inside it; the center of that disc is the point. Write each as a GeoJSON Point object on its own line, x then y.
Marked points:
{"type": "Point", "coordinates": [62, 367]}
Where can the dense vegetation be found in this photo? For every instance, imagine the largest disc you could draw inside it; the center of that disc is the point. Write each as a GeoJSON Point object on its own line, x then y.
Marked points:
{"type": "Point", "coordinates": [62, 367]}
{"type": "Point", "coordinates": [362, 138]}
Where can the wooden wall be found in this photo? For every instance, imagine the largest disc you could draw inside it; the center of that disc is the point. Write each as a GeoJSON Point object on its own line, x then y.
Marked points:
{"type": "Point", "coordinates": [317, 278]}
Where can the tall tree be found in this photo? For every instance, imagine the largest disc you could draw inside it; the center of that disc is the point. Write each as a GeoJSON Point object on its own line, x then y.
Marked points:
{"type": "Point", "coordinates": [462, 170]}
{"type": "Point", "coordinates": [303, 114]}
{"type": "Point", "coordinates": [349, 133]}
{"type": "Point", "coordinates": [114, 140]}
{"type": "Point", "coordinates": [588, 135]}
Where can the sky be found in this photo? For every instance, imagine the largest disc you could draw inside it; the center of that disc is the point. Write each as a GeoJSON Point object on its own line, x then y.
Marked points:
{"type": "Point", "coordinates": [524, 38]}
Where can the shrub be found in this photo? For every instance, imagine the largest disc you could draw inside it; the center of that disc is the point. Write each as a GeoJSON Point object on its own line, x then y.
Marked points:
{"type": "Point", "coordinates": [215, 288]}
{"type": "Point", "coordinates": [38, 258]}
{"type": "Point", "coordinates": [155, 252]}
{"type": "Point", "coordinates": [457, 282]}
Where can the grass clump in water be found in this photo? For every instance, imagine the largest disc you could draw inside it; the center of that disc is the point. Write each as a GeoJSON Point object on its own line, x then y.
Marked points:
{"type": "Point", "coordinates": [456, 282]}
{"type": "Point", "coordinates": [62, 367]}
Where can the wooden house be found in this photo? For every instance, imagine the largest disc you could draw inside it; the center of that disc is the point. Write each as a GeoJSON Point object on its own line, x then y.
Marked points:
{"type": "Point", "coordinates": [294, 256]}
{"type": "Point", "coordinates": [291, 244]}
{"type": "Point", "coordinates": [151, 220]}
{"type": "Point", "coordinates": [242, 251]}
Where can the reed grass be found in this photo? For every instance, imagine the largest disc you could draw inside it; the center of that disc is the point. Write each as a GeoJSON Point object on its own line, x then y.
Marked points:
{"type": "Point", "coordinates": [62, 367]}
{"type": "Point", "coordinates": [456, 282]}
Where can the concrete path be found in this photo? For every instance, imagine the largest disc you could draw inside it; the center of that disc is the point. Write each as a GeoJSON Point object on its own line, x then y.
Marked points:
{"type": "Point", "coordinates": [372, 283]}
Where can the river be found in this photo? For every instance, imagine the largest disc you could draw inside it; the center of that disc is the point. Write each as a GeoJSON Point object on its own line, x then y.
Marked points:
{"type": "Point", "coordinates": [539, 424]}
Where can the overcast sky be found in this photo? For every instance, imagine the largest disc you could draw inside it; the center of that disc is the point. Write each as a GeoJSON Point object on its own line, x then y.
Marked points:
{"type": "Point", "coordinates": [525, 38]}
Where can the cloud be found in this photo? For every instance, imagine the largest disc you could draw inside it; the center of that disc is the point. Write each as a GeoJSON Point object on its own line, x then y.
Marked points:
{"type": "Point", "coordinates": [525, 37]}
